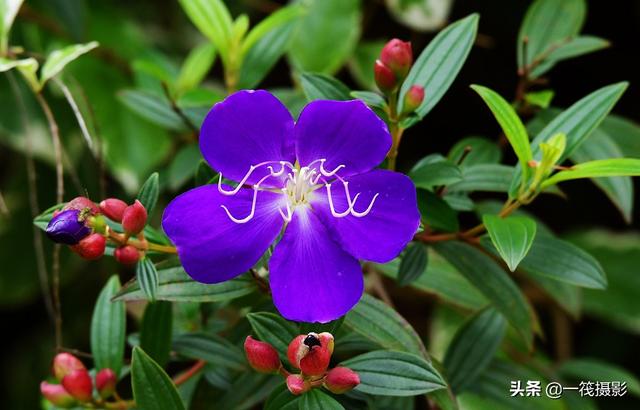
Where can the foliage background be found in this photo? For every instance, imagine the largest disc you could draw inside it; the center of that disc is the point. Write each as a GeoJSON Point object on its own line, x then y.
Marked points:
{"type": "Point", "coordinates": [132, 30]}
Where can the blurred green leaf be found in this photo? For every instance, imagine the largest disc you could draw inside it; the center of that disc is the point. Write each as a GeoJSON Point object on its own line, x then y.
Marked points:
{"type": "Point", "coordinates": [574, 47]}
{"type": "Point", "coordinates": [484, 177]}
{"type": "Point", "coordinates": [480, 151]}
{"type": "Point", "coordinates": [624, 132]}
{"type": "Point", "coordinates": [42, 220]}
{"type": "Point", "coordinates": [148, 195]}
{"type": "Point", "coordinates": [436, 212]}
{"type": "Point", "coordinates": [370, 98]}
{"type": "Point", "coordinates": [213, 20]}
{"type": "Point", "coordinates": [210, 348]}
{"type": "Point", "coordinates": [275, 20]}
{"type": "Point", "coordinates": [58, 59]}
{"type": "Point", "coordinates": [512, 237]}
{"type": "Point", "coordinates": [152, 108]}
{"type": "Point", "coordinates": [540, 99]}
{"type": "Point", "coordinates": [108, 329]}
{"type": "Point", "coordinates": [413, 263]}
{"type": "Point", "coordinates": [362, 62]}
{"type": "Point", "coordinates": [473, 348]}
{"type": "Point", "coordinates": [8, 12]}
{"type": "Point", "coordinates": [439, 63]}
{"type": "Point", "coordinates": [175, 285]}
{"type": "Point", "coordinates": [147, 278]}
{"type": "Point", "coordinates": [390, 373]}
{"type": "Point", "coordinates": [273, 329]}
{"type": "Point", "coordinates": [184, 166]}
{"type": "Point", "coordinates": [327, 34]}
{"type": "Point", "coordinates": [493, 282]}
{"type": "Point", "coordinates": [204, 174]}
{"type": "Point", "coordinates": [282, 399]}
{"type": "Point", "coordinates": [28, 67]}
{"type": "Point", "coordinates": [156, 331]}
{"type": "Point", "coordinates": [195, 68]}
{"type": "Point", "coordinates": [597, 370]}
{"type": "Point", "coordinates": [323, 87]}
{"type": "Point", "coordinates": [152, 387]}
{"type": "Point", "coordinates": [247, 391]}
{"type": "Point", "coordinates": [612, 167]}
{"type": "Point", "coordinates": [315, 399]}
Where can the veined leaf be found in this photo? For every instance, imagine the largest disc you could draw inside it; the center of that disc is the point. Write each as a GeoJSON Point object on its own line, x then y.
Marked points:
{"type": "Point", "coordinates": [370, 98]}
{"type": "Point", "coordinates": [413, 263]}
{"type": "Point", "coordinates": [273, 329]}
{"type": "Point", "coordinates": [439, 63]}
{"type": "Point", "coordinates": [147, 278]}
{"type": "Point", "coordinates": [213, 20]}
{"type": "Point", "coordinates": [493, 282]}
{"type": "Point", "coordinates": [436, 212]}
{"type": "Point", "coordinates": [481, 151]}
{"type": "Point", "coordinates": [540, 99]}
{"type": "Point", "coordinates": [148, 195]}
{"type": "Point", "coordinates": [195, 67]}
{"type": "Point", "coordinates": [210, 348]}
{"type": "Point", "coordinates": [156, 331]}
{"type": "Point", "coordinates": [613, 167]}
{"type": "Point", "coordinates": [108, 329]}
{"type": "Point", "coordinates": [484, 177]}
{"type": "Point", "coordinates": [275, 20]}
{"type": "Point", "coordinates": [323, 87]}
{"type": "Point", "coordinates": [58, 59]}
{"type": "Point", "coordinates": [511, 236]}
{"type": "Point", "coordinates": [473, 348]}
{"type": "Point", "coordinates": [624, 132]}
{"type": "Point", "coordinates": [427, 174]}
{"type": "Point", "coordinates": [282, 399]}
{"type": "Point", "coordinates": [317, 400]}
{"type": "Point", "coordinates": [594, 369]}
{"type": "Point", "coordinates": [390, 373]}
{"type": "Point", "coordinates": [152, 108]}
{"type": "Point", "coordinates": [575, 47]}
{"type": "Point", "coordinates": [152, 387]}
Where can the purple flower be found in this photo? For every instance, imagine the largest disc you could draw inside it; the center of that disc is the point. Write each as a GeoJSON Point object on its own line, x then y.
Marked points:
{"type": "Point", "coordinates": [311, 181]}
{"type": "Point", "coordinates": [67, 227]}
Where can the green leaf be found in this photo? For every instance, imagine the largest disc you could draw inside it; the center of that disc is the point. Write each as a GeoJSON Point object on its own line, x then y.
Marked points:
{"type": "Point", "coordinates": [439, 63]}
{"type": "Point", "coordinates": [540, 99]}
{"type": "Point", "coordinates": [152, 387]}
{"type": "Point", "coordinates": [148, 195]}
{"type": "Point", "coordinates": [213, 20]}
{"type": "Point", "coordinates": [184, 166]}
{"type": "Point", "coordinates": [331, 327]}
{"type": "Point", "coordinates": [510, 123]}
{"type": "Point", "coordinates": [204, 174]}
{"type": "Point", "coordinates": [413, 264]}
{"type": "Point", "coordinates": [323, 87]}
{"type": "Point", "coordinates": [282, 399]}
{"type": "Point", "coordinates": [326, 36]}
{"type": "Point", "coordinates": [108, 329]}
{"type": "Point", "coordinates": [390, 373]}
{"type": "Point", "coordinates": [273, 329]}
{"type": "Point", "coordinates": [8, 12]}
{"type": "Point", "coordinates": [512, 237]}
{"type": "Point", "coordinates": [275, 20]}
{"type": "Point", "coordinates": [624, 132]}
{"type": "Point", "coordinates": [175, 285]}
{"type": "Point", "coordinates": [195, 67]}
{"type": "Point", "coordinates": [152, 108]}
{"type": "Point", "coordinates": [58, 59]}
{"type": "Point", "coordinates": [598, 370]}
{"type": "Point", "coordinates": [613, 167]}
{"type": "Point", "coordinates": [436, 212]}
{"type": "Point", "coordinates": [156, 331]}
{"type": "Point", "coordinates": [28, 67]}
{"type": "Point", "coordinates": [575, 47]}
{"type": "Point", "coordinates": [548, 24]}
{"type": "Point", "coordinates": [484, 177]}
{"type": "Point", "coordinates": [382, 325]}
{"type": "Point", "coordinates": [315, 399]}
{"type": "Point", "coordinates": [147, 278]}
{"type": "Point", "coordinates": [370, 98]}
{"type": "Point", "coordinates": [247, 391]}
{"type": "Point", "coordinates": [431, 172]}
{"type": "Point", "coordinates": [362, 61]}
{"type": "Point", "coordinates": [42, 220]}
{"type": "Point", "coordinates": [562, 261]}
{"type": "Point", "coordinates": [210, 348]}
{"type": "Point", "coordinates": [473, 348]}
{"type": "Point", "coordinates": [480, 151]}
{"type": "Point", "coordinates": [493, 282]}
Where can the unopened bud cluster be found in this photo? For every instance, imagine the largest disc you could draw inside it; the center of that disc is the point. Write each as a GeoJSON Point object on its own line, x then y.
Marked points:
{"type": "Point", "coordinates": [311, 355]}
{"type": "Point", "coordinates": [81, 225]}
{"type": "Point", "coordinates": [75, 385]}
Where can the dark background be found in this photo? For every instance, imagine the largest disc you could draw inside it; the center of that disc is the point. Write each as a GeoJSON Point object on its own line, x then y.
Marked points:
{"type": "Point", "coordinates": [26, 345]}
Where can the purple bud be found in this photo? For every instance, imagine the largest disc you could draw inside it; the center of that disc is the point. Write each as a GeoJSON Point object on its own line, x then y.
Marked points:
{"type": "Point", "coordinates": [67, 227]}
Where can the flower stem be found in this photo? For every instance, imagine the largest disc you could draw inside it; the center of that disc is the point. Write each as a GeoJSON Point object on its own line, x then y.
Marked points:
{"type": "Point", "coordinates": [140, 244]}
{"type": "Point", "coordinates": [395, 130]}
{"type": "Point", "coordinates": [189, 373]}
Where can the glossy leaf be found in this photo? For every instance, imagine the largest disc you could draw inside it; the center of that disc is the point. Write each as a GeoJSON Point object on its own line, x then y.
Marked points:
{"type": "Point", "coordinates": [175, 285]}
{"type": "Point", "coordinates": [613, 167]}
{"type": "Point", "coordinates": [481, 151]}
{"type": "Point", "coordinates": [152, 108]}
{"type": "Point", "coordinates": [512, 237]}
{"type": "Point", "coordinates": [413, 263]}
{"type": "Point", "coordinates": [391, 373]}
{"type": "Point", "coordinates": [213, 20]}
{"type": "Point", "coordinates": [473, 348]}
{"type": "Point", "coordinates": [149, 192]}
{"type": "Point", "coordinates": [433, 172]}
{"type": "Point", "coordinates": [156, 331]}
{"type": "Point", "coordinates": [624, 132]}
{"type": "Point", "coordinates": [273, 329]}
{"type": "Point", "coordinates": [58, 59]}
{"type": "Point", "coordinates": [152, 387]}
{"type": "Point", "coordinates": [493, 282]}
{"type": "Point", "coordinates": [316, 399]}
{"type": "Point", "coordinates": [439, 63]}
{"type": "Point", "coordinates": [210, 348]}
{"type": "Point", "coordinates": [597, 370]}
{"type": "Point", "coordinates": [282, 399]}
{"type": "Point", "coordinates": [108, 329]}
{"type": "Point", "coordinates": [370, 98]}
{"type": "Point", "coordinates": [275, 20]}
{"type": "Point", "coordinates": [323, 87]}
{"type": "Point", "coordinates": [436, 212]}
{"type": "Point", "coordinates": [484, 177]}
{"type": "Point", "coordinates": [575, 47]}
{"type": "Point", "coordinates": [147, 278]}
{"type": "Point", "coordinates": [195, 67]}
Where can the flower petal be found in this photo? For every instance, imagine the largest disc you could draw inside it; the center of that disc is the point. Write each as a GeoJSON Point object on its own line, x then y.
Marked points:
{"type": "Point", "coordinates": [393, 220]}
{"type": "Point", "coordinates": [342, 132]}
{"type": "Point", "coordinates": [213, 248]}
{"type": "Point", "coordinates": [247, 128]}
{"type": "Point", "coordinates": [312, 279]}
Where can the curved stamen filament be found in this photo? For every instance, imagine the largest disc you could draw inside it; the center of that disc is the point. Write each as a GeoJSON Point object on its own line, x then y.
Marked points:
{"type": "Point", "coordinates": [366, 211]}
{"type": "Point", "coordinates": [331, 205]}
{"type": "Point", "coordinates": [246, 177]}
{"type": "Point", "coordinates": [351, 203]}
{"type": "Point", "coordinates": [248, 217]}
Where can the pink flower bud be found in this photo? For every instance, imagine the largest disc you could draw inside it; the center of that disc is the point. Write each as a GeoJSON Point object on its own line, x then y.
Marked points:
{"type": "Point", "coordinates": [106, 381]}
{"type": "Point", "coordinates": [397, 55]}
{"type": "Point", "coordinates": [57, 395]}
{"type": "Point", "coordinates": [113, 208]}
{"type": "Point", "coordinates": [413, 98]}
{"type": "Point", "coordinates": [82, 203]}
{"type": "Point", "coordinates": [78, 384]}
{"type": "Point", "coordinates": [311, 353]}
{"type": "Point", "coordinates": [385, 79]}
{"type": "Point", "coordinates": [92, 247]}
{"type": "Point", "coordinates": [341, 379]}
{"type": "Point", "coordinates": [297, 384]}
{"type": "Point", "coordinates": [261, 356]}
{"type": "Point", "coordinates": [65, 363]}
{"type": "Point", "coordinates": [127, 255]}
{"type": "Point", "coordinates": [134, 218]}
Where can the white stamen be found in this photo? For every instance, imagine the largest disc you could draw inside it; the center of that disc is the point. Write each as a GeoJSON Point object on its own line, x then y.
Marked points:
{"type": "Point", "coordinates": [332, 207]}
{"type": "Point", "coordinates": [248, 217]}
{"type": "Point", "coordinates": [366, 211]}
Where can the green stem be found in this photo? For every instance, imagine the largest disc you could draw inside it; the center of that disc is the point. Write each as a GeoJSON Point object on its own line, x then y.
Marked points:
{"type": "Point", "coordinates": [395, 129]}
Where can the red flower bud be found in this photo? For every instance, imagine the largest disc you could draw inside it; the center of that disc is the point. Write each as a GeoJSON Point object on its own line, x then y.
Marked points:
{"type": "Point", "coordinates": [127, 255]}
{"type": "Point", "coordinates": [78, 384]}
{"type": "Point", "coordinates": [65, 363]}
{"type": "Point", "coordinates": [385, 79]}
{"type": "Point", "coordinates": [412, 99]}
{"type": "Point", "coordinates": [82, 203]}
{"type": "Point", "coordinates": [134, 218]}
{"type": "Point", "coordinates": [397, 55]}
{"type": "Point", "coordinates": [92, 247]}
{"type": "Point", "coordinates": [113, 208]}
{"type": "Point", "coordinates": [311, 353]}
{"type": "Point", "coordinates": [57, 395]}
{"type": "Point", "coordinates": [261, 355]}
{"type": "Point", "coordinates": [297, 384]}
{"type": "Point", "coordinates": [341, 379]}
{"type": "Point", "coordinates": [106, 381]}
